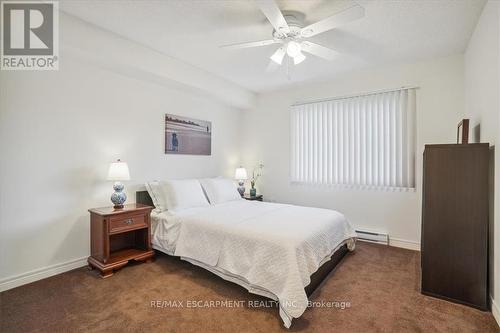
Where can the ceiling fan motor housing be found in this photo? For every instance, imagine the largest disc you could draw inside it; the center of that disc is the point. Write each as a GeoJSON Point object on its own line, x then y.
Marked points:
{"type": "Point", "coordinates": [295, 21]}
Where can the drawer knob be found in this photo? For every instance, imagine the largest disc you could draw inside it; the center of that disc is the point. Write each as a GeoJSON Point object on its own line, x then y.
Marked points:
{"type": "Point", "coordinates": [129, 221]}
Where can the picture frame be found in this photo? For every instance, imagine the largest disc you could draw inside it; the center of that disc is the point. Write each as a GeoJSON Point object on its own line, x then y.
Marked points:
{"type": "Point", "coordinates": [187, 136]}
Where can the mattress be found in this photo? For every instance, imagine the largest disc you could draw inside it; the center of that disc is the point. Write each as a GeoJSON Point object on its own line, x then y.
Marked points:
{"type": "Point", "coordinates": [270, 249]}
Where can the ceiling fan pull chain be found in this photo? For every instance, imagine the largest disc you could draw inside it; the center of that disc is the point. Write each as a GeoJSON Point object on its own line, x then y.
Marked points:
{"type": "Point", "coordinates": [288, 68]}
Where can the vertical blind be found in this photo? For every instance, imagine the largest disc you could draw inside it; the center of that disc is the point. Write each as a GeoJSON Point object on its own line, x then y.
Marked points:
{"type": "Point", "coordinates": [364, 141]}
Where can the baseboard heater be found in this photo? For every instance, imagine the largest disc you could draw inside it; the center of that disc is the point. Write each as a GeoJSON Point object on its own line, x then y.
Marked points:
{"type": "Point", "coordinates": [374, 237]}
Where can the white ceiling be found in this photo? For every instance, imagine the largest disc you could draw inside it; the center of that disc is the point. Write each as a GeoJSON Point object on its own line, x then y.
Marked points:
{"type": "Point", "coordinates": [192, 30]}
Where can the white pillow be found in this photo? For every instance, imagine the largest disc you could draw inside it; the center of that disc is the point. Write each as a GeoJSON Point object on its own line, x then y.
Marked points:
{"type": "Point", "coordinates": [219, 190]}
{"type": "Point", "coordinates": [156, 194]}
{"type": "Point", "coordinates": [182, 194]}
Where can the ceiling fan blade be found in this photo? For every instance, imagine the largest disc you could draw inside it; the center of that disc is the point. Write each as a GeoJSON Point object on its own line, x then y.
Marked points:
{"type": "Point", "coordinates": [250, 44]}
{"type": "Point", "coordinates": [318, 50]}
{"type": "Point", "coordinates": [274, 15]}
{"type": "Point", "coordinates": [334, 21]}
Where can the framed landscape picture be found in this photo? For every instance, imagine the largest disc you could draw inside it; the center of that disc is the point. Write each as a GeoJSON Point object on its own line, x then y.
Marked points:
{"type": "Point", "coordinates": [189, 136]}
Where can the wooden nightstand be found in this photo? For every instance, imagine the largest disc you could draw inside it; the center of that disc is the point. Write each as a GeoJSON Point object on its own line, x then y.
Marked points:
{"type": "Point", "coordinates": [258, 197]}
{"type": "Point", "coordinates": [119, 235]}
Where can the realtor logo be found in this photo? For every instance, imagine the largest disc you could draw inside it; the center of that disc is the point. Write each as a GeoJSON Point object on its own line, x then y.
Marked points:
{"type": "Point", "coordinates": [30, 35]}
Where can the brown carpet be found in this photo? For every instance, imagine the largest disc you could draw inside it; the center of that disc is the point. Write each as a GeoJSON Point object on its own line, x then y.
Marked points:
{"type": "Point", "coordinates": [381, 285]}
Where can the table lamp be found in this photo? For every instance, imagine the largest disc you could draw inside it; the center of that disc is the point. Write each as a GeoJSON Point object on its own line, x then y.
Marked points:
{"type": "Point", "coordinates": [118, 171]}
{"type": "Point", "coordinates": [241, 176]}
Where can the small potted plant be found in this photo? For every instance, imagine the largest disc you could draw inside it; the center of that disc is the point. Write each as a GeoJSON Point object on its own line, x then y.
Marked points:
{"type": "Point", "coordinates": [257, 172]}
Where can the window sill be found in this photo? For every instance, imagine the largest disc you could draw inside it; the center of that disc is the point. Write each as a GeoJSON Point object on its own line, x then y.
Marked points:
{"type": "Point", "coordinates": [356, 187]}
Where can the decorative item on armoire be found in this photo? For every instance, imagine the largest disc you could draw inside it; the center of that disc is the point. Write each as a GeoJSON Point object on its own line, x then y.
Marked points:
{"type": "Point", "coordinates": [463, 131]}
{"type": "Point", "coordinates": [241, 175]}
{"type": "Point", "coordinates": [118, 171]}
{"type": "Point", "coordinates": [256, 173]}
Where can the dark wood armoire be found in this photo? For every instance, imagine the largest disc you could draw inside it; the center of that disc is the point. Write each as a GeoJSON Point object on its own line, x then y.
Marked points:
{"type": "Point", "coordinates": [454, 244]}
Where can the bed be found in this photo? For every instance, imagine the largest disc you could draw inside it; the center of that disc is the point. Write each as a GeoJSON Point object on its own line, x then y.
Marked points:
{"type": "Point", "coordinates": [279, 251]}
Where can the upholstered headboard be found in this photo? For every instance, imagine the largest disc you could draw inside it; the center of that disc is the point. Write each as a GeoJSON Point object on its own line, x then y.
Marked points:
{"type": "Point", "coordinates": [143, 197]}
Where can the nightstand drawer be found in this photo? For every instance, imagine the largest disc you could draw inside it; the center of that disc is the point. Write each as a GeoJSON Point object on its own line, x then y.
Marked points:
{"type": "Point", "coordinates": [124, 223]}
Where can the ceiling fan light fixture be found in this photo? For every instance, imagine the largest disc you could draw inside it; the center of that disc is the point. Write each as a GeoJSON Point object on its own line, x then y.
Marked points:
{"type": "Point", "coordinates": [278, 56]}
{"type": "Point", "coordinates": [293, 49]}
{"type": "Point", "coordinates": [299, 58]}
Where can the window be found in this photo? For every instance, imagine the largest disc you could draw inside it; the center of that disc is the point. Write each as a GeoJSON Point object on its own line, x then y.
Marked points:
{"type": "Point", "coordinates": [364, 141]}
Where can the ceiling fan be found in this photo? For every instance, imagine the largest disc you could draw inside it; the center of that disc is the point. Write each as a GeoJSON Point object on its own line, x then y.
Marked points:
{"type": "Point", "coordinates": [290, 32]}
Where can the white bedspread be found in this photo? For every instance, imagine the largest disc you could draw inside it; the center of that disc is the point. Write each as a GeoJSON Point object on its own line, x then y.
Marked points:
{"type": "Point", "coordinates": [273, 246]}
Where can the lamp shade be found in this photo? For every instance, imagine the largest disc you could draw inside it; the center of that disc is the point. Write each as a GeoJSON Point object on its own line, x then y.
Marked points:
{"type": "Point", "coordinates": [299, 58]}
{"type": "Point", "coordinates": [118, 171]}
{"type": "Point", "coordinates": [240, 174]}
{"type": "Point", "coordinates": [293, 49]}
{"type": "Point", "coordinates": [278, 56]}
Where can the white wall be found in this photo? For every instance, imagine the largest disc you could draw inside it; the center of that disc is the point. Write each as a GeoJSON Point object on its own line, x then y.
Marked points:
{"type": "Point", "coordinates": [266, 139]}
{"type": "Point", "coordinates": [482, 106]}
{"type": "Point", "coordinates": [58, 132]}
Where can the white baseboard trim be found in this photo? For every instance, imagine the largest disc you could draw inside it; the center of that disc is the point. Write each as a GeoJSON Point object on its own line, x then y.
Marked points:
{"type": "Point", "coordinates": [405, 244]}
{"type": "Point", "coordinates": [495, 310]}
{"type": "Point", "coordinates": [41, 273]}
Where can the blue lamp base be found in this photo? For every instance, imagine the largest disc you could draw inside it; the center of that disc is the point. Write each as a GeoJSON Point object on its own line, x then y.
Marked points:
{"type": "Point", "coordinates": [119, 197]}
{"type": "Point", "coordinates": [241, 187]}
